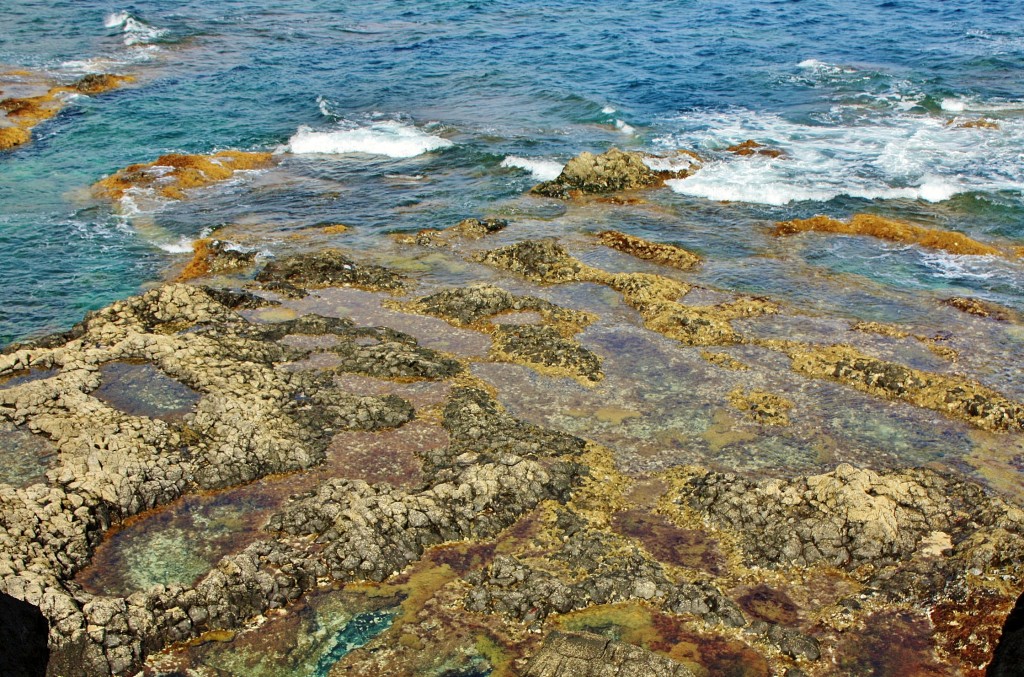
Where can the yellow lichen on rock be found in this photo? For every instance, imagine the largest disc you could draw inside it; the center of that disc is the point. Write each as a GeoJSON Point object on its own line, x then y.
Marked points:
{"type": "Point", "coordinates": [665, 254]}
{"type": "Point", "coordinates": [891, 230]}
{"type": "Point", "coordinates": [171, 175]}
{"type": "Point", "coordinates": [723, 360]}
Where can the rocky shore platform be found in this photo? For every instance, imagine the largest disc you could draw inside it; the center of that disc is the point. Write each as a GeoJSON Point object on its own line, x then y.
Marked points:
{"type": "Point", "coordinates": [368, 497]}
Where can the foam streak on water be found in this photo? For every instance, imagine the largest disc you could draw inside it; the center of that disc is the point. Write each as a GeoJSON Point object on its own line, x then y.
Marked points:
{"type": "Point", "coordinates": [892, 156]}
{"type": "Point", "coordinates": [393, 139]}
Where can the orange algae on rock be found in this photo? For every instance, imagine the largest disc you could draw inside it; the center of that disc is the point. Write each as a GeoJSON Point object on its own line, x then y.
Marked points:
{"type": "Point", "coordinates": [13, 136]}
{"type": "Point", "coordinates": [210, 256]}
{"type": "Point", "coordinates": [892, 230]}
{"type": "Point", "coordinates": [665, 254]}
{"type": "Point", "coordinates": [171, 175]}
{"type": "Point", "coordinates": [751, 147]}
{"type": "Point", "coordinates": [26, 112]}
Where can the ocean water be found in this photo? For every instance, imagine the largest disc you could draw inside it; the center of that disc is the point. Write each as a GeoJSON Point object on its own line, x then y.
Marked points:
{"type": "Point", "coordinates": [397, 116]}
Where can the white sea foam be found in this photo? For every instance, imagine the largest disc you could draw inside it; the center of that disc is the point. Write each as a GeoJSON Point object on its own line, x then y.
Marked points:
{"type": "Point", "coordinates": [952, 105]}
{"type": "Point", "coordinates": [393, 139]}
{"type": "Point", "coordinates": [136, 31]}
{"type": "Point", "coordinates": [542, 170]}
{"type": "Point", "coordinates": [888, 156]}
{"type": "Point", "coordinates": [674, 163]}
{"type": "Point", "coordinates": [182, 246]}
{"type": "Point", "coordinates": [625, 128]}
{"type": "Point", "coordinates": [608, 110]}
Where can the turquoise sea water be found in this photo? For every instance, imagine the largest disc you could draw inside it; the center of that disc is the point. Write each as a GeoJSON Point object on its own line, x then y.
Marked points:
{"type": "Point", "coordinates": [456, 108]}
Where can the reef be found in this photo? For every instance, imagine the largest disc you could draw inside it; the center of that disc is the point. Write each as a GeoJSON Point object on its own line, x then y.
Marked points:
{"type": "Point", "coordinates": [171, 175]}
{"type": "Point", "coordinates": [549, 347]}
{"type": "Point", "coordinates": [973, 306]}
{"type": "Point", "coordinates": [467, 229]}
{"type": "Point", "coordinates": [664, 254]}
{"type": "Point", "coordinates": [655, 297]}
{"type": "Point", "coordinates": [24, 113]}
{"type": "Point", "coordinates": [891, 230]}
{"type": "Point", "coordinates": [582, 654]}
{"type": "Point", "coordinates": [610, 172]}
{"type": "Point", "coordinates": [954, 396]}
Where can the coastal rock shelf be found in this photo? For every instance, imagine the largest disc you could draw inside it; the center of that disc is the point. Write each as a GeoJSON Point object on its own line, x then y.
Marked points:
{"type": "Point", "coordinates": [534, 549]}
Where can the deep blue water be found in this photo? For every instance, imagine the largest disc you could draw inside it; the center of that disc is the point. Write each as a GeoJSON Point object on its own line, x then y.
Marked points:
{"type": "Point", "coordinates": [858, 94]}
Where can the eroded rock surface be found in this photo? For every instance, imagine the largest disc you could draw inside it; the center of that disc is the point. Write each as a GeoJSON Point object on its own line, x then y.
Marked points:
{"type": "Point", "coordinates": [590, 655]}
{"type": "Point", "coordinates": [328, 268]}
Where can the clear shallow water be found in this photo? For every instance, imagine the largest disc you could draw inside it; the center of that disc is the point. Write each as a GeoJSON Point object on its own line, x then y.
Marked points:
{"type": "Point", "coordinates": [863, 120]}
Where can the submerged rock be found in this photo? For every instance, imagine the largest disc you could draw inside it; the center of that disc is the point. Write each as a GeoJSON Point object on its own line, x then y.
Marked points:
{"type": "Point", "coordinates": [171, 175]}
{"type": "Point", "coordinates": [467, 229]}
{"type": "Point", "coordinates": [580, 654]}
{"type": "Point", "coordinates": [892, 230]}
{"type": "Point", "coordinates": [761, 406]}
{"type": "Point", "coordinates": [973, 306]}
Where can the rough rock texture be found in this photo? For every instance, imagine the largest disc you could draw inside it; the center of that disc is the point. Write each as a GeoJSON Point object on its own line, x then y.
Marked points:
{"type": "Point", "coordinates": [543, 348]}
{"type": "Point", "coordinates": [583, 654]}
{"type": "Point", "coordinates": [470, 305]}
{"type": "Point", "coordinates": [665, 254]}
{"type": "Point", "coordinates": [849, 517]}
{"type": "Point", "coordinates": [372, 532]}
{"type": "Point", "coordinates": [889, 229]}
{"type": "Point", "coordinates": [955, 396]}
{"type": "Point", "coordinates": [172, 174]}
{"type": "Point", "coordinates": [23, 633]}
{"type": "Point", "coordinates": [329, 268]}
{"type": "Point", "coordinates": [13, 136]}
{"type": "Point", "coordinates": [251, 420]}
{"type": "Point", "coordinates": [655, 297]}
{"type": "Point", "coordinates": [479, 427]}
{"type": "Point", "coordinates": [609, 172]}
{"type": "Point", "coordinates": [467, 229]}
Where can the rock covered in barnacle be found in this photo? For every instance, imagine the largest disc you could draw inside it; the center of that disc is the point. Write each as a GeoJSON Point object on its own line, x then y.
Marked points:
{"type": "Point", "coordinates": [612, 171]}
{"type": "Point", "coordinates": [328, 268]}
{"type": "Point", "coordinates": [762, 407]}
{"type": "Point", "coordinates": [543, 261]}
{"type": "Point", "coordinates": [973, 306]}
